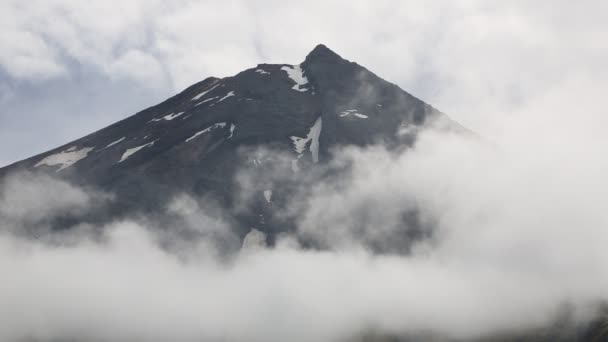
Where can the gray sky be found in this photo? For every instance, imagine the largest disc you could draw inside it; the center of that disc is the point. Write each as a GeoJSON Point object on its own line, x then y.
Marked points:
{"type": "Point", "coordinates": [68, 68]}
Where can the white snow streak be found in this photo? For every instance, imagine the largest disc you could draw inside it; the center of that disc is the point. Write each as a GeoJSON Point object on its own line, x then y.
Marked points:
{"type": "Point", "coordinates": [268, 195]}
{"type": "Point", "coordinates": [65, 158]}
{"type": "Point", "coordinates": [134, 150]}
{"type": "Point", "coordinates": [315, 133]}
{"type": "Point", "coordinates": [168, 117]}
{"type": "Point", "coordinates": [231, 93]}
{"type": "Point", "coordinates": [208, 129]}
{"type": "Point", "coordinates": [263, 72]}
{"type": "Point", "coordinates": [204, 92]}
{"type": "Point", "coordinates": [232, 127]}
{"type": "Point", "coordinates": [297, 75]}
{"type": "Point", "coordinates": [115, 142]}
{"type": "Point", "coordinates": [353, 112]}
{"type": "Point", "coordinates": [300, 144]}
{"type": "Point", "coordinates": [207, 100]}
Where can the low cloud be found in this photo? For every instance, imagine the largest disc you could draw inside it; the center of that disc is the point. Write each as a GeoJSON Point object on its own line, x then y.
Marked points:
{"type": "Point", "coordinates": [513, 243]}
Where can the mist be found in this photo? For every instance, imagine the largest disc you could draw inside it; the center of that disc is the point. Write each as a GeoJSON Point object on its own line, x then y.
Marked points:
{"type": "Point", "coordinates": [516, 240]}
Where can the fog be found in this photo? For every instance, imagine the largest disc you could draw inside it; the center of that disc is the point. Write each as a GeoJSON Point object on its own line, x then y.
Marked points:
{"type": "Point", "coordinates": [517, 239]}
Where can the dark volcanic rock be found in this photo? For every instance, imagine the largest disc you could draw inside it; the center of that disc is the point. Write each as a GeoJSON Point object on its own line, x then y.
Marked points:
{"type": "Point", "coordinates": [194, 141]}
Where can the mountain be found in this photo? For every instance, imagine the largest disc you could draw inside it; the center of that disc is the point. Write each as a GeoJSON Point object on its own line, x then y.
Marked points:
{"type": "Point", "coordinates": [277, 123]}
{"type": "Point", "coordinates": [198, 140]}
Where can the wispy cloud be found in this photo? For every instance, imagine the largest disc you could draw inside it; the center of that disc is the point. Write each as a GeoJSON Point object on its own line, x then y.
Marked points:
{"type": "Point", "coordinates": [516, 238]}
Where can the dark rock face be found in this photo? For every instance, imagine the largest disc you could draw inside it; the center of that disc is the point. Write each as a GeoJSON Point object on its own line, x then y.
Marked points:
{"type": "Point", "coordinates": [194, 141]}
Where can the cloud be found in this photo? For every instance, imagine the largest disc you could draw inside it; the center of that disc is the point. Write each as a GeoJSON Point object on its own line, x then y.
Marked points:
{"type": "Point", "coordinates": [21, 57]}
{"type": "Point", "coordinates": [128, 289]}
{"type": "Point", "coordinates": [516, 239]}
{"type": "Point", "coordinates": [515, 221]}
{"type": "Point", "coordinates": [33, 197]}
{"type": "Point", "coordinates": [138, 66]}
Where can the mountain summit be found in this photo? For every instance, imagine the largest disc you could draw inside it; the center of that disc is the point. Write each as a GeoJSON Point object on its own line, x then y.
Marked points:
{"type": "Point", "coordinates": [322, 52]}
{"type": "Point", "coordinates": [198, 140]}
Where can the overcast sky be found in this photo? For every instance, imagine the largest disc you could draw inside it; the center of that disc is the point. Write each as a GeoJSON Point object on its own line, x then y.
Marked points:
{"type": "Point", "coordinates": [521, 229]}
{"type": "Point", "coordinates": [68, 68]}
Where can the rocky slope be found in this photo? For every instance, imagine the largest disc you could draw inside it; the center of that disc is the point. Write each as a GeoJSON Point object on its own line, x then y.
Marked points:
{"type": "Point", "coordinates": [198, 140]}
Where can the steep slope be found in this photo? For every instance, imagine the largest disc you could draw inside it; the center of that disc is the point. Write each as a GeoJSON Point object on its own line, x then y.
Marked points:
{"type": "Point", "coordinates": [194, 141]}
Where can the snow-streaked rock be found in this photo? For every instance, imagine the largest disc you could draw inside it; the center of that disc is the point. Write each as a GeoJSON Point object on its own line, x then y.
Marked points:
{"type": "Point", "coordinates": [116, 142]}
{"type": "Point", "coordinates": [353, 112]}
{"type": "Point", "coordinates": [296, 73]}
{"type": "Point", "coordinates": [168, 117]}
{"type": "Point", "coordinates": [311, 140]}
{"type": "Point", "coordinates": [208, 129]}
{"type": "Point", "coordinates": [128, 153]}
{"type": "Point", "coordinates": [65, 158]}
{"type": "Point", "coordinates": [230, 94]}
{"type": "Point", "coordinates": [205, 92]}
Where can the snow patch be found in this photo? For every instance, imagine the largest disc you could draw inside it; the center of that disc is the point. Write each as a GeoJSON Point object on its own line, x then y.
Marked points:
{"type": "Point", "coordinates": [168, 117]}
{"type": "Point", "coordinates": [208, 129]}
{"type": "Point", "coordinates": [204, 92]}
{"type": "Point", "coordinates": [231, 93]}
{"type": "Point", "coordinates": [263, 72]}
{"type": "Point", "coordinates": [268, 195]}
{"type": "Point", "coordinates": [134, 150]}
{"type": "Point", "coordinates": [300, 144]}
{"type": "Point", "coordinates": [65, 158]}
{"type": "Point", "coordinates": [315, 133]}
{"type": "Point", "coordinates": [232, 127]}
{"type": "Point", "coordinates": [207, 100]}
{"type": "Point", "coordinates": [296, 73]}
{"type": "Point", "coordinates": [172, 116]}
{"type": "Point", "coordinates": [115, 142]}
{"type": "Point", "coordinates": [353, 112]}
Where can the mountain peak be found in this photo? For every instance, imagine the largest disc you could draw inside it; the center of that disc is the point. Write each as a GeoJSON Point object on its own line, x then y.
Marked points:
{"type": "Point", "coordinates": [198, 141]}
{"type": "Point", "coordinates": [322, 52]}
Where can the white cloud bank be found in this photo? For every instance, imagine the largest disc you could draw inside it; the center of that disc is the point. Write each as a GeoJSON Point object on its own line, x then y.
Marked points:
{"type": "Point", "coordinates": [520, 235]}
